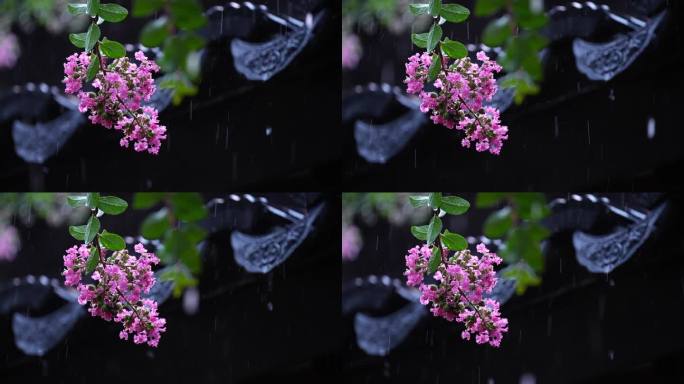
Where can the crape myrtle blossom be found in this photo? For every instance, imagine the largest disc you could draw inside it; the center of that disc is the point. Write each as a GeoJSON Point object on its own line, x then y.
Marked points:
{"type": "Point", "coordinates": [9, 243]}
{"type": "Point", "coordinates": [120, 281]}
{"type": "Point", "coordinates": [9, 50]}
{"type": "Point", "coordinates": [116, 102]}
{"type": "Point", "coordinates": [457, 102]}
{"type": "Point", "coordinates": [462, 281]}
{"type": "Point", "coordinates": [351, 51]}
{"type": "Point", "coordinates": [351, 242]}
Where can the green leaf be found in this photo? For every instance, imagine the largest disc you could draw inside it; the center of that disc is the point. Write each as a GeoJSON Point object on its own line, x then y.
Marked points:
{"type": "Point", "coordinates": [434, 36]}
{"type": "Point", "coordinates": [77, 232]}
{"type": "Point", "coordinates": [497, 31]}
{"type": "Point", "coordinates": [435, 7]}
{"type": "Point", "coordinates": [113, 13]}
{"type": "Point", "coordinates": [91, 229]}
{"type": "Point", "coordinates": [93, 260]}
{"type": "Point", "coordinates": [177, 246]}
{"type": "Point", "coordinates": [188, 14]}
{"type": "Point", "coordinates": [488, 7]}
{"type": "Point", "coordinates": [522, 245]}
{"type": "Point", "coordinates": [92, 199]}
{"type": "Point", "coordinates": [93, 7]}
{"type": "Point", "coordinates": [194, 232]}
{"type": "Point", "coordinates": [418, 231]}
{"type": "Point", "coordinates": [145, 200]}
{"type": "Point", "coordinates": [112, 205]}
{"type": "Point", "coordinates": [188, 206]}
{"type": "Point", "coordinates": [454, 205]}
{"type": "Point", "coordinates": [434, 228]}
{"type": "Point", "coordinates": [488, 199]}
{"type": "Point", "coordinates": [93, 68]}
{"type": "Point", "coordinates": [181, 278]}
{"type": "Point", "coordinates": [531, 206]}
{"type": "Point", "coordinates": [112, 49]}
{"type": "Point", "coordinates": [419, 9]}
{"type": "Point", "coordinates": [77, 9]}
{"type": "Point", "coordinates": [524, 277]}
{"type": "Point", "coordinates": [419, 201]}
{"type": "Point", "coordinates": [531, 20]}
{"type": "Point", "coordinates": [454, 13]}
{"type": "Point", "coordinates": [435, 260]}
{"type": "Point", "coordinates": [435, 200]}
{"type": "Point", "coordinates": [77, 39]}
{"type": "Point", "coordinates": [142, 8]}
{"type": "Point", "coordinates": [77, 201]}
{"type": "Point", "coordinates": [112, 241]}
{"type": "Point", "coordinates": [155, 32]}
{"type": "Point", "coordinates": [419, 39]}
{"type": "Point", "coordinates": [435, 67]}
{"type": "Point", "coordinates": [92, 37]}
{"type": "Point", "coordinates": [454, 49]}
{"type": "Point", "coordinates": [498, 223]}
{"type": "Point", "coordinates": [155, 225]}
{"type": "Point", "coordinates": [454, 241]}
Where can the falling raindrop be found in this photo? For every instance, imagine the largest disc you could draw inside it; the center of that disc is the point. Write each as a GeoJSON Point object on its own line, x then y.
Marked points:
{"type": "Point", "coordinates": [588, 133]}
{"type": "Point", "coordinates": [555, 124]}
{"type": "Point", "coordinates": [611, 95]}
{"type": "Point", "coordinates": [269, 130]}
{"type": "Point", "coordinates": [269, 306]}
{"type": "Point", "coordinates": [611, 355]}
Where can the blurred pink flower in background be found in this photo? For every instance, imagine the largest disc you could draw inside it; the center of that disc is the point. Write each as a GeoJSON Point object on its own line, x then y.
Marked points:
{"type": "Point", "coordinates": [9, 50]}
{"type": "Point", "coordinates": [351, 51]}
{"type": "Point", "coordinates": [9, 243]}
{"type": "Point", "coordinates": [351, 242]}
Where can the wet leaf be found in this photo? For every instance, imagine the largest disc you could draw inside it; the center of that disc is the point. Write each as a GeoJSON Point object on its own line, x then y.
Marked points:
{"type": "Point", "coordinates": [91, 229]}
{"type": "Point", "coordinates": [155, 225]}
{"type": "Point", "coordinates": [454, 49]}
{"type": "Point", "coordinates": [433, 37]}
{"type": "Point", "coordinates": [93, 260]}
{"type": "Point", "coordinates": [454, 205]}
{"type": "Point", "coordinates": [113, 49]}
{"type": "Point", "coordinates": [142, 8]}
{"type": "Point", "coordinates": [419, 39]}
{"type": "Point", "coordinates": [497, 31]}
{"type": "Point", "coordinates": [77, 232]}
{"type": "Point", "coordinates": [155, 32]}
{"type": "Point", "coordinates": [454, 241]}
{"type": "Point", "coordinates": [419, 232]}
{"type": "Point", "coordinates": [419, 9]}
{"type": "Point", "coordinates": [144, 200]}
{"type": "Point", "coordinates": [92, 37]}
{"type": "Point", "coordinates": [498, 223]}
{"type": "Point", "coordinates": [77, 39]}
{"type": "Point", "coordinates": [434, 228]}
{"type": "Point", "coordinates": [112, 241]}
{"type": "Point", "coordinates": [112, 205]}
{"type": "Point", "coordinates": [113, 13]}
{"type": "Point", "coordinates": [419, 201]}
{"type": "Point", "coordinates": [454, 13]}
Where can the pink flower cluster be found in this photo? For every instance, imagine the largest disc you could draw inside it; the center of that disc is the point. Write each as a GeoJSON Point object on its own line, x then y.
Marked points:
{"type": "Point", "coordinates": [117, 100]}
{"type": "Point", "coordinates": [9, 243]}
{"type": "Point", "coordinates": [351, 242]}
{"type": "Point", "coordinates": [463, 279]}
{"type": "Point", "coordinates": [461, 89]}
{"type": "Point", "coordinates": [120, 282]}
{"type": "Point", "coordinates": [351, 51]}
{"type": "Point", "coordinates": [9, 50]}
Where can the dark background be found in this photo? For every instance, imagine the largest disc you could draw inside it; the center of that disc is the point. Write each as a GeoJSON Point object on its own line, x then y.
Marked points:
{"type": "Point", "coordinates": [233, 338]}
{"type": "Point", "coordinates": [601, 142]}
{"type": "Point", "coordinates": [577, 327]}
{"type": "Point", "coordinates": [224, 145]}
